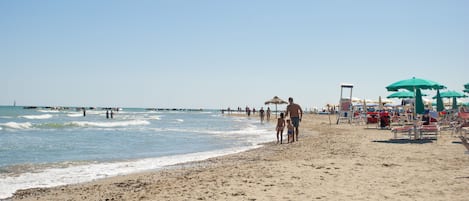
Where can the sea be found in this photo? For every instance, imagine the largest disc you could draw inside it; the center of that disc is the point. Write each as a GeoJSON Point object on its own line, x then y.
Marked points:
{"type": "Point", "coordinates": [46, 147]}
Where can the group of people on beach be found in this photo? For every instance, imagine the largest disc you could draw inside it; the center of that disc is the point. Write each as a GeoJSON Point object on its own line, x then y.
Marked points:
{"type": "Point", "coordinates": [263, 114]}
{"type": "Point", "coordinates": [296, 113]}
{"type": "Point", "coordinates": [290, 119]}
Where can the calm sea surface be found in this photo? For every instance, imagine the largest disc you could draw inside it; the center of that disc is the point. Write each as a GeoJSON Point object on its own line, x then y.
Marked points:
{"type": "Point", "coordinates": [45, 147]}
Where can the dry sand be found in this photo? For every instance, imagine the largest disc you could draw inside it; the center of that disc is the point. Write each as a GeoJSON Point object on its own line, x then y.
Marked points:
{"type": "Point", "coordinates": [329, 162]}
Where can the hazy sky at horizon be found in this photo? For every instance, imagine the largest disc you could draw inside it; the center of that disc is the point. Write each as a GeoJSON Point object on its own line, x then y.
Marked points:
{"type": "Point", "coordinates": [218, 54]}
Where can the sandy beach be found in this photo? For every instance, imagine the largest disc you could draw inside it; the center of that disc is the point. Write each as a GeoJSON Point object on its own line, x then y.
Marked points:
{"type": "Point", "coordinates": [329, 162]}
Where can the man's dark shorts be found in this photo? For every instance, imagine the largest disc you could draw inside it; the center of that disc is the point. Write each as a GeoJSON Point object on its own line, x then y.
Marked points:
{"type": "Point", "coordinates": [295, 121]}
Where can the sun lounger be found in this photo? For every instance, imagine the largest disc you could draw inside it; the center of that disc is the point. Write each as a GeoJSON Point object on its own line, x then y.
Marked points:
{"type": "Point", "coordinates": [396, 121]}
{"type": "Point", "coordinates": [463, 115]}
{"type": "Point", "coordinates": [372, 118]}
{"type": "Point", "coordinates": [403, 129]}
{"type": "Point", "coordinates": [432, 130]}
{"type": "Point", "coordinates": [462, 123]}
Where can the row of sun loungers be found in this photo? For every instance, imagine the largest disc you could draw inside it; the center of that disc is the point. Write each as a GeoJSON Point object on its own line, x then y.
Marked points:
{"type": "Point", "coordinates": [418, 132]}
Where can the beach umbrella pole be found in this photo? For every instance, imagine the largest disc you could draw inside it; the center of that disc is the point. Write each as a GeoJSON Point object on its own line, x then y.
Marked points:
{"type": "Point", "coordinates": [415, 112]}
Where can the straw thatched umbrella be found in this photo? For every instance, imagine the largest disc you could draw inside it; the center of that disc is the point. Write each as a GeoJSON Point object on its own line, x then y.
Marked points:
{"type": "Point", "coordinates": [275, 100]}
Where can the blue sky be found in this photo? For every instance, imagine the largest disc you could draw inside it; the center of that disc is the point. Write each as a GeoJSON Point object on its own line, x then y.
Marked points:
{"type": "Point", "coordinates": [218, 54]}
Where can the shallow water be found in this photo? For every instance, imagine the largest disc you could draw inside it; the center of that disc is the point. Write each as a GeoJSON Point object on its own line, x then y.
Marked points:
{"type": "Point", "coordinates": [43, 147]}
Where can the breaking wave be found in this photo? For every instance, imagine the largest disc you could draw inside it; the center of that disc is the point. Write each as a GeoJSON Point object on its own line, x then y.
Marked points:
{"type": "Point", "coordinates": [109, 124]}
{"type": "Point", "coordinates": [42, 116]}
{"type": "Point", "coordinates": [16, 125]}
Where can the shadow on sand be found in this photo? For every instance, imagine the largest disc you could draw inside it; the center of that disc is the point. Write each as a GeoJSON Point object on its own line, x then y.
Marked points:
{"type": "Point", "coordinates": [405, 141]}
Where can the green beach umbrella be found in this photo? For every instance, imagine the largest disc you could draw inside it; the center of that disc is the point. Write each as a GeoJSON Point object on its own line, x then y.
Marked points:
{"type": "Point", "coordinates": [439, 102]}
{"type": "Point", "coordinates": [455, 104]}
{"type": "Point", "coordinates": [403, 94]}
{"type": "Point", "coordinates": [466, 90]}
{"type": "Point", "coordinates": [419, 106]}
{"type": "Point", "coordinates": [454, 95]}
{"type": "Point", "coordinates": [451, 94]}
{"type": "Point", "coordinates": [466, 86]}
{"type": "Point", "coordinates": [413, 84]}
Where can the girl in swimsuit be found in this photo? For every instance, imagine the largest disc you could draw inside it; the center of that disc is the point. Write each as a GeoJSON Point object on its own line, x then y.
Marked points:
{"type": "Point", "coordinates": [280, 126]}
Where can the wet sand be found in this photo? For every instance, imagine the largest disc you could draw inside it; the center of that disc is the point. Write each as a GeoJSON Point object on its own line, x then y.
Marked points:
{"type": "Point", "coordinates": [329, 162]}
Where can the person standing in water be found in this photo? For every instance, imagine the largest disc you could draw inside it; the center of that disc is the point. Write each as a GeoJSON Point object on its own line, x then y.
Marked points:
{"type": "Point", "coordinates": [268, 113]}
{"type": "Point", "coordinates": [262, 114]}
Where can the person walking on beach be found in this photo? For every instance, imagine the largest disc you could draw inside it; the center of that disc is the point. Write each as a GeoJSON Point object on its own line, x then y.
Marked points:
{"type": "Point", "coordinates": [268, 113]}
{"type": "Point", "coordinates": [296, 113]}
{"type": "Point", "coordinates": [290, 132]}
{"type": "Point", "coordinates": [262, 114]}
{"type": "Point", "coordinates": [280, 127]}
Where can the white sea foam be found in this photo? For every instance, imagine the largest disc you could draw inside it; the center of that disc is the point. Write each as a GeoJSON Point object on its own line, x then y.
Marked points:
{"type": "Point", "coordinates": [84, 173]}
{"type": "Point", "coordinates": [250, 134]}
{"type": "Point", "coordinates": [144, 112]}
{"type": "Point", "coordinates": [75, 114]}
{"type": "Point", "coordinates": [49, 111]}
{"type": "Point", "coordinates": [42, 116]}
{"type": "Point", "coordinates": [110, 124]}
{"type": "Point", "coordinates": [155, 117]}
{"type": "Point", "coordinates": [16, 125]}
{"type": "Point", "coordinates": [95, 112]}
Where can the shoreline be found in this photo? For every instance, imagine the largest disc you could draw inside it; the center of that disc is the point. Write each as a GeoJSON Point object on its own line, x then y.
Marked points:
{"type": "Point", "coordinates": [51, 174]}
{"type": "Point", "coordinates": [329, 162]}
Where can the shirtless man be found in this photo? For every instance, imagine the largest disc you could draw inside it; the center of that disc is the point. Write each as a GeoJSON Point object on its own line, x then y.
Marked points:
{"type": "Point", "coordinates": [296, 113]}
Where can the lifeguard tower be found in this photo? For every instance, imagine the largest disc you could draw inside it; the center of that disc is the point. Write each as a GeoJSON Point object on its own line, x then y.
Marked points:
{"type": "Point", "coordinates": [345, 104]}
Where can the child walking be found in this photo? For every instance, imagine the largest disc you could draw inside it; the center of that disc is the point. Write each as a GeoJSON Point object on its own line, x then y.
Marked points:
{"type": "Point", "coordinates": [280, 126]}
{"type": "Point", "coordinates": [290, 131]}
